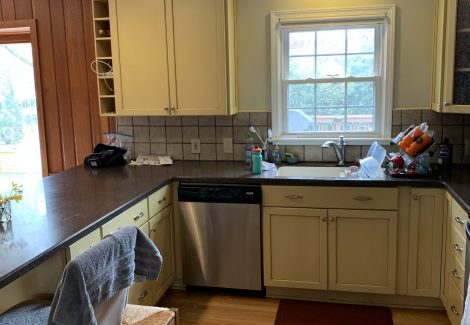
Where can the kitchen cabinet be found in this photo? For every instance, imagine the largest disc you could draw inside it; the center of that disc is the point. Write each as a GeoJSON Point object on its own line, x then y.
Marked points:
{"type": "Point", "coordinates": [451, 79]}
{"type": "Point", "coordinates": [161, 233]}
{"type": "Point", "coordinates": [425, 242]}
{"type": "Point", "coordinates": [173, 57]}
{"type": "Point", "coordinates": [452, 294]}
{"type": "Point", "coordinates": [83, 244]}
{"type": "Point", "coordinates": [136, 215]}
{"type": "Point", "coordinates": [348, 249]}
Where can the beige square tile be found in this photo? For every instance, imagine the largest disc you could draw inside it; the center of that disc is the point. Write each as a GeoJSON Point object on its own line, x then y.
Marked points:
{"type": "Point", "coordinates": [259, 119]}
{"type": "Point", "coordinates": [437, 129]}
{"type": "Point", "coordinates": [454, 133]}
{"type": "Point", "coordinates": [222, 133]}
{"type": "Point", "coordinates": [329, 155]}
{"type": "Point", "coordinates": [187, 153]}
{"type": "Point", "coordinates": [126, 129]}
{"type": "Point", "coordinates": [157, 120]}
{"type": "Point", "coordinates": [221, 155]}
{"type": "Point", "coordinates": [124, 120]}
{"type": "Point", "coordinates": [142, 148]}
{"type": "Point", "coordinates": [190, 121]}
{"type": "Point", "coordinates": [241, 119]}
{"type": "Point", "coordinates": [432, 117]}
{"type": "Point", "coordinates": [239, 152]}
{"type": "Point", "coordinates": [141, 134]}
{"type": "Point", "coordinates": [158, 149]}
{"type": "Point", "coordinates": [190, 132]}
{"type": "Point", "coordinates": [396, 117]}
{"type": "Point", "coordinates": [352, 153]}
{"type": "Point", "coordinates": [173, 121]}
{"type": "Point", "coordinates": [207, 134]}
{"type": "Point", "coordinates": [313, 153]}
{"type": "Point", "coordinates": [467, 119]}
{"type": "Point", "coordinates": [240, 134]}
{"type": "Point", "coordinates": [158, 134]}
{"type": "Point", "coordinates": [140, 120]}
{"type": "Point", "coordinates": [411, 117]}
{"type": "Point", "coordinates": [174, 134]}
{"type": "Point", "coordinates": [223, 121]}
{"type": "Point", "coordinates": [453, 119]}
{"type": "Point", "coordinates": [175, 150]}
{"type": "Point", "coordinates": [297, 151]}
{"type": "Point", "coordinates": [206, 120]}
{"type": "Point", "coordinates": [457, 154]}
{"type": "Point", "coordinates": [208, 151]}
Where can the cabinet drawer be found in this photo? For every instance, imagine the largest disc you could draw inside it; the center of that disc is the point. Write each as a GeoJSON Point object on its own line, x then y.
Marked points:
{"type": "Point", "coordinates": [456, 272]}
{"type": "Point", "coordinates": [459, 217]}
{"type": "Point", "coordinates": [137, 215]}
{"type": "Point", "coordinates": [83, 244]}
{"type": "Point", "coordinates": [159, 200]}
{"type": "Point", "coordinates": [454, 305]}
{"type": "Point", "coordinates": [364, 198]}
{"type": "Point", "coordinates": [457, 245]}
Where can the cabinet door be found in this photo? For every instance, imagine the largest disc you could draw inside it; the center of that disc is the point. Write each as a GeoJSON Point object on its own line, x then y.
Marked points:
{"type": "Point", "coordinates": [200, 57]}
{"type": "Point", "coordinates": [83, 244]}
{"type": "Point", "coordinates": [140, 293]}
{"type": "Point", "coordinates": [425, 243]}
{"type": "Point", "coordinates": [295, 248]}
{"type": "Point", "coordinates": [136, 215]}
{"type": "Point", "coordinates": [140, 56]}
{"type": "Point", "coordinates": [362, 250]}
{"type": "Point", "coordinates": [161, 233]}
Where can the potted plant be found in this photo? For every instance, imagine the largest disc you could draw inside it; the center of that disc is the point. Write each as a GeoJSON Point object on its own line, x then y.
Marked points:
{"type": "Point", "coordinates": [15, 194]}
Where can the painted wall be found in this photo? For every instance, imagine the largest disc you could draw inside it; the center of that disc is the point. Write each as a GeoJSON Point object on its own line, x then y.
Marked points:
{"type": "Point", "coordinates": [413, 48]}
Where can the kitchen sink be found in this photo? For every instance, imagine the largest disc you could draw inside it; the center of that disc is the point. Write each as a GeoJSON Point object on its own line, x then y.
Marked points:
{"type": "Point", "coordinates": [304, 171]}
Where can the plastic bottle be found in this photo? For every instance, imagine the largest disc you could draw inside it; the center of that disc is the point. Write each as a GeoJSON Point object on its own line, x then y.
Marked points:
{"type": "Point", "coordinates": [277, 157]}
{"type": "Point", "coordinates": [257, 159]}
{"type": "Point", "coordinates": [248, 148]}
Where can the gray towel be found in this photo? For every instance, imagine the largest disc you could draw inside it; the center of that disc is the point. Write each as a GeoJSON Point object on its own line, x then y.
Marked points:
{"type": "Point", "coordinates": [102, 271]}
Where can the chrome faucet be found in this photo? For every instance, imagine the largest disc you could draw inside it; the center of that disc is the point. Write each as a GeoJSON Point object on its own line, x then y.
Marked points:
{"type": "Point", "coordinates": [339, 149]}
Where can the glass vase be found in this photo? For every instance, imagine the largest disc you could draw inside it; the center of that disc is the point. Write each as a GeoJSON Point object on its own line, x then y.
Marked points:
{"type": "Point", "coordinates": [5, 212]}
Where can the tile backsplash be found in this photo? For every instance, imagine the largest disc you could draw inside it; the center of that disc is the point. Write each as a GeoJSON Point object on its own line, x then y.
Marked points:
{"type": "Point", "coordinates": [172, 135]}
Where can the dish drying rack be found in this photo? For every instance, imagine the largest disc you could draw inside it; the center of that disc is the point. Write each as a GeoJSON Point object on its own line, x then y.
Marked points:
{"type": "Point", "coordinates": [408, 161]}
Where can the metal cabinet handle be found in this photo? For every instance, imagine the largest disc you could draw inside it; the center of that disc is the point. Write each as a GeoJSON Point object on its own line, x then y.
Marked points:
{"type": "Point", "coordinates": [172, 110]}
{"type": "Point", "coordinates": [140, 215]}
{"type": "Point", "coordinates": [362, 198]}
{"type": "Point", "coordinates": [162, 200]}
{"type": "Point", "coordinates": [446, 104]}
{"type": "Point", "coordinates": [166, 109]}
{"type": "Point", "coordinates": [294, 197]}
{"type": "Point", "coordinates": [459, 220]}
{"type": "Point", "coordinates": [154, 229]}
{"type": "Point", "coordinates": [142, 297]}
{"type": "Point", "coordinates": [323, 219]}
{"type": "Point", "coordinates": [458, 248]}
{"type": "Point", "coordinates": [456, 275]}
{"type": "Point", "coordinates": [415, 197]}
{"type": "Point", "coordinates": [454, 310]}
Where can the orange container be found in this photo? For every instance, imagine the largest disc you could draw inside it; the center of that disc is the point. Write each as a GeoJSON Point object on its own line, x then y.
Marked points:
{"type": "Point", "coordinates": [410, 138]}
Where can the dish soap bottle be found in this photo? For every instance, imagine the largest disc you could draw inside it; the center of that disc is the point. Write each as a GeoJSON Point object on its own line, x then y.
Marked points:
{"type": "Point", "coordinates": [277, 157]}
{"type": "Point", "coordinates": [257, 161]}
{"type": "Point", "coordinates": [248, 148]}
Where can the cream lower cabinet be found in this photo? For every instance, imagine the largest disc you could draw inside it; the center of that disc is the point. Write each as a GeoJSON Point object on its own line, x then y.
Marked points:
{"type": "Point", "coordinates": [161, 233]}
{"type": "Point", "coordinates": [335, 249]}
{"type": "Point", "coordinates": [425, 242]}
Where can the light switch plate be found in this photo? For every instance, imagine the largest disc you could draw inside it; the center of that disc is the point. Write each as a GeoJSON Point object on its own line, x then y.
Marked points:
{"type": "Point", "coordinates": [228, 146]}
{"type": "Point", "coordinates": [195, 146]}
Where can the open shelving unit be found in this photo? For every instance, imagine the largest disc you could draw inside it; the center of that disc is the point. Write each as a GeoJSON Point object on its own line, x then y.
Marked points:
{"type": "Point", "coordinates": [103, 63]}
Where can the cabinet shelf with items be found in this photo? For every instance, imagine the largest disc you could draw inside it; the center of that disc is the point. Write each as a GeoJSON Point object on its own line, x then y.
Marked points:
{"type": "Point", "coordinates": [103, 63]}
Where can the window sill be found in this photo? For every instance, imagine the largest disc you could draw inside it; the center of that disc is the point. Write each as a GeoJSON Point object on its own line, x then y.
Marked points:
{"type": "Point", "coordinates": [320, 141]}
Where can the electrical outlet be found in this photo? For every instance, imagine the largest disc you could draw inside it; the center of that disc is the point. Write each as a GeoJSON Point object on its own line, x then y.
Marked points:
{"type": "Point", "coordinates": [195, 146]}
{"type": "Point", "coordinates": [467, 147]}
{"type": "Point", "coordinates": [228, 146]}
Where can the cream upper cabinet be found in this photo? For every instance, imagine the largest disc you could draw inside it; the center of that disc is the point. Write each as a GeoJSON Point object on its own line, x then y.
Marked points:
{"type": "Point", "coordinates": [362, 250]}
{"type": "Point", "coordinates": [173, 57]}
{"type": "Point", "coordinates": [336, 249]}
{"type": "Point", "coordinates": [425, 242]}
{"type": "Point", "coordinates": [295, 248]}
{"type": "Point", "coordinates": [451, 78]}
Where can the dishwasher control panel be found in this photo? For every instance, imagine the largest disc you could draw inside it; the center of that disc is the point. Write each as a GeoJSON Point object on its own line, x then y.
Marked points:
{"type": "Point", "coordinates": [249, 194]}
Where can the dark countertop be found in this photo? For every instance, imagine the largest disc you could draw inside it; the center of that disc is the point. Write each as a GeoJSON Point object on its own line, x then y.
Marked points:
{"type": "Point", "coordinates": [60, 209]}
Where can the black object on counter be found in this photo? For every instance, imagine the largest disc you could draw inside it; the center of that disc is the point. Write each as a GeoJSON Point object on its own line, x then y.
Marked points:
{"type": "Point", "coordinates": [105, 156]}
{"type": "Point", "coordinates": [444, 157]}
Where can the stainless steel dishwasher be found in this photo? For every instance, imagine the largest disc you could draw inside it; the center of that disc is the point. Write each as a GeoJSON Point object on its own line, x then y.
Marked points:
{"type": "Point", "coordinates": [221, 235]}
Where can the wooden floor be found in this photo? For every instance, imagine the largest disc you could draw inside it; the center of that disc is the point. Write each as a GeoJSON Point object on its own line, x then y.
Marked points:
{"type": "Point", "coordinates": [196, 307]}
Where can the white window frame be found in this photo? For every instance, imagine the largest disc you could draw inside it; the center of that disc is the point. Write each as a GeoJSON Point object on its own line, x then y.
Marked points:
{"type": "Point", "coordinates": [280, 20]}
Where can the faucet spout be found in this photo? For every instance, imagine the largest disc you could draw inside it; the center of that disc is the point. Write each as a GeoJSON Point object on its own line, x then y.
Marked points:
{"type": "Point", "coordinates": [338, 147]}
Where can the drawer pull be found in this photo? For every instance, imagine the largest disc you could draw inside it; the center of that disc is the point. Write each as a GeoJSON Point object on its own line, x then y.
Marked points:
{"type": "Point", "coordinates": [454, 310]}
{"type": "Point", "coordinates": [459, 220]}
{"type": "Point", "coordinates": [363, 198]}
{"type": "Point", "coordinates": [323, 219]}
{"type": "Point", "coordinates": [142, 297]}
{"type": "Point", "coordinates": [456, 275]}
{"type": "Point", "coordinates": [294, 197]}
{"type": "Point", "coordinates": [161, 200]}
{"type": "Point", "coordinates": [332, 219]}
{"type": "Point", "coordinates": [137, 217]}
{"type": "Point", "coordinates": [154, 229]}
{"type": "Point", "coordinates": [458, 248]}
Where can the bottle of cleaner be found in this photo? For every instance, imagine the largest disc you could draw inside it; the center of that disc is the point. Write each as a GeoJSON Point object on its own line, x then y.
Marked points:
{"type": "Point", "coordinates": [257, 161]}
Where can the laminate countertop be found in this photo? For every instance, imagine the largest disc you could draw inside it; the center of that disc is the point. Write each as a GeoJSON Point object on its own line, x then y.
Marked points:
{"type": "Point", "coordinates": [60, 209]}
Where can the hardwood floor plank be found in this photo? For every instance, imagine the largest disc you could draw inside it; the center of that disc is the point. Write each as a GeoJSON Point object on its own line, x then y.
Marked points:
{"type": "Point", "coordinates": [207, 308]}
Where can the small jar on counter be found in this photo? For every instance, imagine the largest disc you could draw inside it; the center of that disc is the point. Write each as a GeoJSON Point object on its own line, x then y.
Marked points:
{"type": "Point", "coordinates": [257, 161]}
